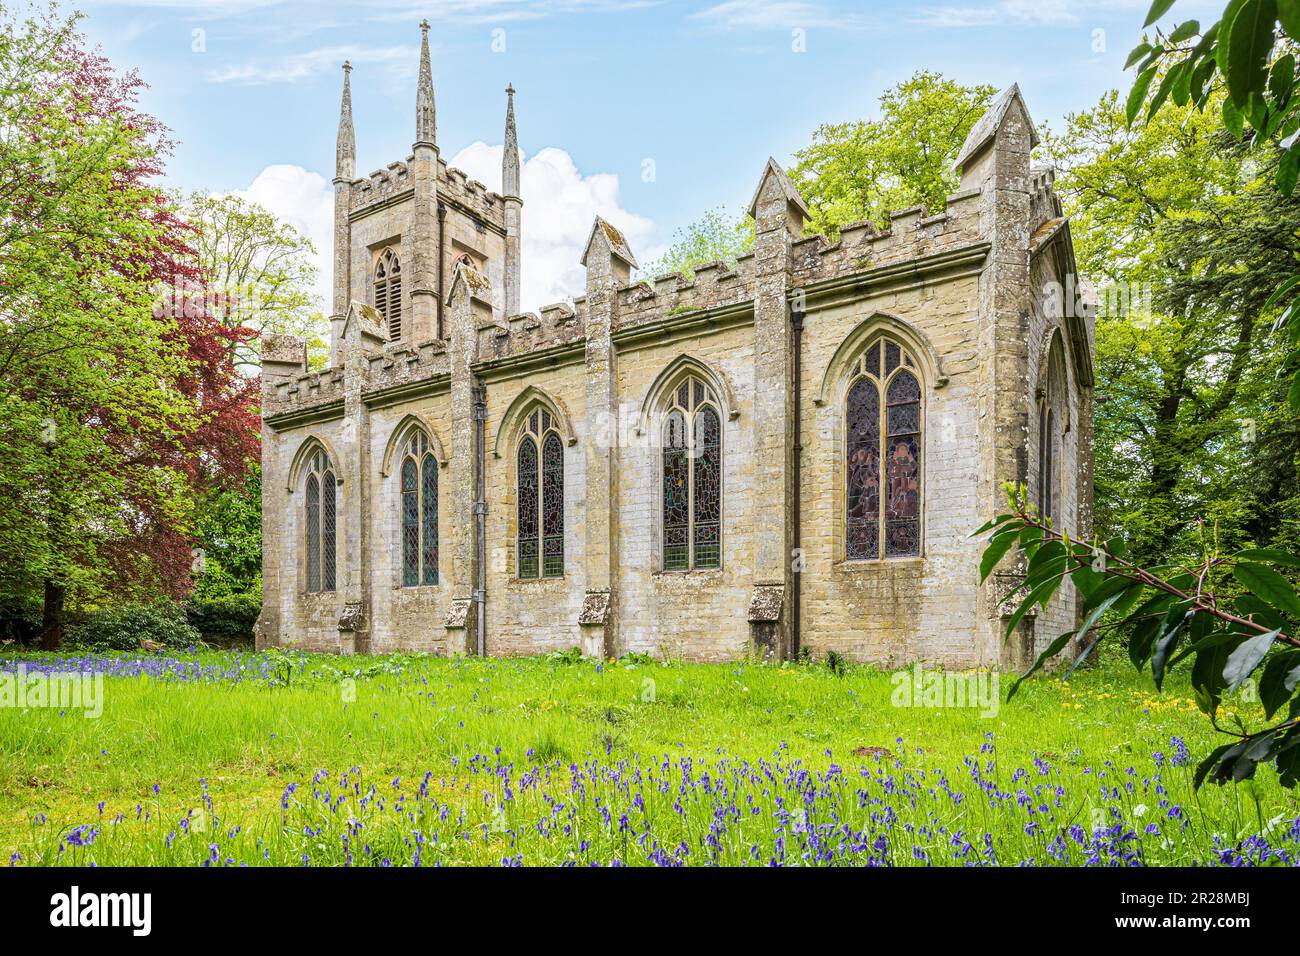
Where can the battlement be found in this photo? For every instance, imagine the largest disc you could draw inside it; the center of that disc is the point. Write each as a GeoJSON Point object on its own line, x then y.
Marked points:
{"type": "Point", "coordinates": [557, 324]}
{"type": "Point", "coordinates": [1044, 204]}
{"type": "Point", "coordinates": [381, 185]}
{"type": "Point", "coordinates": [456, 186]}
{"type": "Point", "coordinates": [715, 285]}
{"type": "Point", "coordinates": [911, 235]}
{"type": "Point", "coordinates": [405, 365]}
{"type": "Point", "coordinates": [303, 392]}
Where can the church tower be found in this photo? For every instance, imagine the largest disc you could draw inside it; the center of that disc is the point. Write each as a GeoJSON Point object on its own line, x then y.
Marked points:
{"type": "Point", "coordinates": [400, 232]}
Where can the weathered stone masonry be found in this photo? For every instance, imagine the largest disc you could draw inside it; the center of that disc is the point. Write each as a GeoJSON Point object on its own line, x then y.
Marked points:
{"type": "Point", "coordinates": [969, 295]}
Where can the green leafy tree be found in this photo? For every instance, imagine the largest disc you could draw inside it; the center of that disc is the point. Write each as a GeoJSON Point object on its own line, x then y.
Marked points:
{"type": "Point", "coordinates": [259, 272]}
{"type": "Point", "coordinates": [1179, 225]}
{"type": "Point", "coordinates": [863, 169]}
{"type": "Point", "coordinates": [714, 237]}
{"type": "Point", "coordinates": [113, 409]}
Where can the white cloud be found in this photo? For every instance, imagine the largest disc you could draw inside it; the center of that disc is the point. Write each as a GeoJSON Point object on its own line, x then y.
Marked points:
{"type": "Point", "coordinates": [1028, 13]}
{"type": "Point", "coordinates": [395, 60]}
{"type": "Point", "coordinates": [305, 200]}
{"type": "Point", "coordinates": [560, 204]}
{"type": "Point", "coordinates": [775, 15]}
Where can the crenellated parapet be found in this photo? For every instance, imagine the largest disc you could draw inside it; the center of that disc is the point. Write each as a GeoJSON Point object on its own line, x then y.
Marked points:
{"type": "Point", "coordinates": [911, 235]}
{"type": "Point", "coordinates": [455, 186]}
{"type": "Point", "coordinates": [308, 392]}
{"type": "Point", "coordinates": [381, 186]}
{"type": "Point", "coordinates": [404, 366]}
{"type": "Point", "coordinates": [715, 285]}
{"type": "Point", "coordinates": [556, 325]}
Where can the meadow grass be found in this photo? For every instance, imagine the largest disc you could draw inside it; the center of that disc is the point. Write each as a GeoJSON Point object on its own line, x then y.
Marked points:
{"type": "Point", "coordinates": [226, 758]}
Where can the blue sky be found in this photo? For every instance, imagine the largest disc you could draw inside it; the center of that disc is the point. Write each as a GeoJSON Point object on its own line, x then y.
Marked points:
{"type": "Point", "coordinates": [705, 90]}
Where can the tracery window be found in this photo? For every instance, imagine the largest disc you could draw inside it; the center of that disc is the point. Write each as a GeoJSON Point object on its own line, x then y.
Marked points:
{"type": "Point", "coordinates": [321, 520]}
{"type": "Point", "coordinates": [692, 479]}
{"type": "Point", "coordinates": [388, 292]}
{"type": "Point", "coordinates": [419, 478]}
{"type": "Point", "coordinates": [540, 487]}
{"type": "Point", "coordinates": [1047, 461]}
{"type": "Point", "coordinates": [883, 455]}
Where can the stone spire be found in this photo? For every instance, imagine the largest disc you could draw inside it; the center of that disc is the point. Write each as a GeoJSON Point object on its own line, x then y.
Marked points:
{"type": "Point", "coordinates": [426, 114]}
{"type": "Point", "coordinates": [345, 154]}
{"type": "Point", "coordinates": [510, 159]}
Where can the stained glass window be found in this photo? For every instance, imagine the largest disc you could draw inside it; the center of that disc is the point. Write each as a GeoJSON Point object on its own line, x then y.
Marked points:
{"type": "Point", "coordinates": [677, 514]}
{"type": "Point", "coordinates": [388, 293]}
{"type": "Point", "coordinates": [1046, 462]}
{"type": "Point", "coordinates": [528, 507]}
{"type": "Point", "coordinates": [313, 533]}
{"type": "Point", "coordinates": [419, 512]}
{"type": "Point", "coordinates": [692, 479]}
{"type": "Point", "coordinates": [883, 440]}
{"type": "Point", "coordinates": [552, 506]}
{"type": "Point", "coordinates": [410, 523]}
{"type": "Point", "coordinates": [541, 497]}
{"type": "Point", "coordinates": [320, 515]}
{"type": "Point", "coordinates": [429, 516]}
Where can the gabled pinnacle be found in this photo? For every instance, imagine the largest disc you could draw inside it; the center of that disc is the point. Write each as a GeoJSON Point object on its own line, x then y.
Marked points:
{"type": "Point", "coordinates": [510, 157]}
{"type": "Point", "coordinates": [345, 153]}
{"type": "Point", "coordinates": [426, 116]}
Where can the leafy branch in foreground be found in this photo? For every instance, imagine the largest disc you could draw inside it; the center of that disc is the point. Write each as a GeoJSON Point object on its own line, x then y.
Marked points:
{"type": "Point", "coordinates": [1171, 613]}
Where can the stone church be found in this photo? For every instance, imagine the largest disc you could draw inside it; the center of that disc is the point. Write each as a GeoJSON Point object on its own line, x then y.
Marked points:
{"type": "Point", "coordinates": [780, 456]}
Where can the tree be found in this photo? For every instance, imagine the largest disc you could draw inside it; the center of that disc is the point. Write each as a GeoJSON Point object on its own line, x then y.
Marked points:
{"type": "Point", "coordinates": [864, 169]}
{"type": "Point", "coordinates": [857, 170]}
{"type": "Point", "coordinates": [1177, 222]}
{"type": "Point", "coordinates": [113, 409]}
{"type": "Point", "coordinates": [714, 237]}
{"type": "Point", "coordinates": [258, 271]}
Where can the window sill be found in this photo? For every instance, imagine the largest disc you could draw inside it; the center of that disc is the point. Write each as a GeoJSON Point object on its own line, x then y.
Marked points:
{"type": "Point", "coordinates": [666, 575]}
{"type": "Point", "coordinates": [867, 565]}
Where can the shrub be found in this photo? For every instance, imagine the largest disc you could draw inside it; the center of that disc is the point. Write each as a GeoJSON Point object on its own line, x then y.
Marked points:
{"type": "Point", "coordinates": [123, 628]}
{"type": "Point", "coordinates": [227, 618]}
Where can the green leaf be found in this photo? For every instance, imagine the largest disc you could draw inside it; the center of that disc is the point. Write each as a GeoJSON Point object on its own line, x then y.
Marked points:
{"type": "Point", "coordinates": [1158, 9]}
{"type": "Point", "coordinates": [1233, 121]}
{"type": "Point", "coordinates": [1266, 584]}
{"type": "Point", "coordinates": [1185, 31]}
{"type": "Point", "coordinates": [1137, 96]}
{"type": "Point", "coordinates": [1250, 41]}
{"type": "Point", "coordinates": [1207, 674]}
{"type": "Point", "coordinates": [1246, 656]}
{"type": "Point", "coordinates": [1053, 649]}
{"type": "Point", "coordinates": [1212, 761]}
{"type": "Point", "coordinates": [1278, 682]}
{"type": "Point", "coordinates": [1164, 645]}
{"type": "Point", "coordinates": [996, 551]}
{"type": "Point", "coordinates": [1287, 168]}
{"type": "Point", "coordinates": [1288, 11]}
{"type": "Point", "coordinates": [1278, 295]}
{"type": "Point", "coordinates": [1282, 77]}
{"type": "Point", "coordinates": [1039, 595]}
{"type": "Point", "coordinates": [1139, 51]}
{"type": "Point", "coordinates": [1270, 555]}
{"type": "Point", "coordinates": [1225, 33]}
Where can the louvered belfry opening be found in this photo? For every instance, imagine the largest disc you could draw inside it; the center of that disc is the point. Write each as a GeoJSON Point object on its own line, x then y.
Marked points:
{"type": "Point", "coordinates": [388, 293]}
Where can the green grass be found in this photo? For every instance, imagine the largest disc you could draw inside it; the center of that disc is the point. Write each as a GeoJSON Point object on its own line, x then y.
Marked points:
{"type": "Point", "coordinates": [410, 758]}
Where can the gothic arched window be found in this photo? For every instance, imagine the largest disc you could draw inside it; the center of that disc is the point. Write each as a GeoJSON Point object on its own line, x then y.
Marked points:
{"type": "Point", "coordinates": [692, 479]}
{"type": "Point", "coordinates": [540, 486]}
{"type": "Point", "coordinates": [419, 477]}
{"type": "Point", "coordinates": [1047, 462]}
{"type": "Point", "coordinates": [321, 519]}
{"type": "Point", "coordinates": [388, 292]}
{"type": "Point", "coordinates": [883, 455]}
